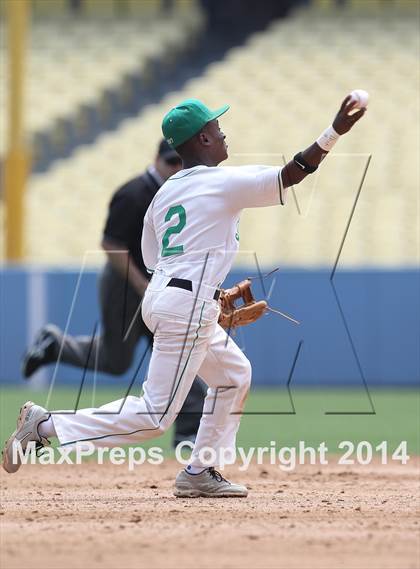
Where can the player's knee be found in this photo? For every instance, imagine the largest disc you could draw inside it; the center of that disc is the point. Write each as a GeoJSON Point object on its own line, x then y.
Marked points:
{"type": "Point", "coordinates": [244, 375]}
{"type": "Point", "coordinates": [247, 374]}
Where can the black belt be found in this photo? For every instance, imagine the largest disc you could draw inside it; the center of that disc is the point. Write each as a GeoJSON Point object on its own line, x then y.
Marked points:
{"type": "Point", "coordinates": [187, 285]}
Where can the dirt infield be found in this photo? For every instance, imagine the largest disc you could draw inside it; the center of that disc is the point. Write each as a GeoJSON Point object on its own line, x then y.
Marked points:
{"type": "Point", "coordinates": [92, 516]}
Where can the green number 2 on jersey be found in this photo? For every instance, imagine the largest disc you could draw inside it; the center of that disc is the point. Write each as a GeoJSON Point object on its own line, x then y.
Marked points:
{"type": "Point", "coordinates": [174, 210]}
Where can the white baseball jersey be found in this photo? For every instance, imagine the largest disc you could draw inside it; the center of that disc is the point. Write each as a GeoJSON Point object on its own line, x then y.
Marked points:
{"type": "Point", "coordinates": [192, 223]}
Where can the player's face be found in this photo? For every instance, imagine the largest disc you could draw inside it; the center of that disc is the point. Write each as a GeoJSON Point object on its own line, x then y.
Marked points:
{"type": "Point", "coordinates": [219, 146]}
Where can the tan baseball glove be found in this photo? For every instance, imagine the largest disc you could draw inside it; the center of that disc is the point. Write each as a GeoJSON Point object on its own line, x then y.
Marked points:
{"type": "Point", "coordinates": [231, 315]}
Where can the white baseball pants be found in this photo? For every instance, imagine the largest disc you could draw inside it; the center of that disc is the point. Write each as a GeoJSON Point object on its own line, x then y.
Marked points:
{"type": "Point", "coordinates": [187, 342]}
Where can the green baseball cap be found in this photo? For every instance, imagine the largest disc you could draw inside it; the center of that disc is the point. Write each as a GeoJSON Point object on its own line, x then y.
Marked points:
{"type": "Point", "coordinates": [186, 119]}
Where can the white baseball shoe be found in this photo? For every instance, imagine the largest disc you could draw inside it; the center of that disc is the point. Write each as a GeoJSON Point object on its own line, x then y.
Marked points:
{"type": "Point", "coordinates": [209, 484]}
{"type": "Point", "coordinates": [30, 416]}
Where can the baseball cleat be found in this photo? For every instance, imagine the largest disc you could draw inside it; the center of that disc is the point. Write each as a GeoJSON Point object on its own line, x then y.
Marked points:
{"type": "Point", "coordinates": [43, 350]}
{"type": "Point", "coordinates": [207, 484]}
{"type": "Point", "coordinates": [28, 422]}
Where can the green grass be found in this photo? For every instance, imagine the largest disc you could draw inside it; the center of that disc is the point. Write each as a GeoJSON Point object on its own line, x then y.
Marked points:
{"type": "Point", "coordinates": [396, 418]}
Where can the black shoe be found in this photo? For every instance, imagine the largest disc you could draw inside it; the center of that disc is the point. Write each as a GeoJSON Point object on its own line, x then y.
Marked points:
{"type": "Point", "coordinates": [43, 351]}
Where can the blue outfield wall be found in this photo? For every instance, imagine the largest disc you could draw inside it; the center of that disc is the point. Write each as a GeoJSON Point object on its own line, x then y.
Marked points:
{"type": "Point", "coordinates": [366, 322]}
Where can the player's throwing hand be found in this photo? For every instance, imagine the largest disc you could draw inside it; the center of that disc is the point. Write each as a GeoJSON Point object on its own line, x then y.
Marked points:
{"type": "Point", "coordinates": [344, 121]}
{"type": "Point", "coordinates": [307, 161]}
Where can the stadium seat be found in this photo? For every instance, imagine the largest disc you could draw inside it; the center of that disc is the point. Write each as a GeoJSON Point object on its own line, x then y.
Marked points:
{"type": "Point", "coordinates": [73, 62]}
{"type": "Point", "coordinates": [284, 86]}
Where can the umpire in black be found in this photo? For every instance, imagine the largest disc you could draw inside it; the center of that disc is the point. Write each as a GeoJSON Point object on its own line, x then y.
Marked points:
{"type": "Point", "coordinates": [122, 285]}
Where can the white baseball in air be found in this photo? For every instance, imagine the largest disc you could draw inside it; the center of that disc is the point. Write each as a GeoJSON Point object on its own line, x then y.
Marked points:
{"type": "Point", "coordinates": [361, 97]}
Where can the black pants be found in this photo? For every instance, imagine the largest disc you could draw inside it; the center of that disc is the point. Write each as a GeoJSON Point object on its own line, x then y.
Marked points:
{"type": "Point", "coordinates": [113, 351]}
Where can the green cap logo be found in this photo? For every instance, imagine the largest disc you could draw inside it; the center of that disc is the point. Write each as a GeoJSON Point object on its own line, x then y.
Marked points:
{"type": "Point", "coordinates": [186, 119]}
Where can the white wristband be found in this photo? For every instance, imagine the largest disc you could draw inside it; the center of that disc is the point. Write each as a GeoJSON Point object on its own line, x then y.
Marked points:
{"type": "Point", "coordinates": [327, 139]}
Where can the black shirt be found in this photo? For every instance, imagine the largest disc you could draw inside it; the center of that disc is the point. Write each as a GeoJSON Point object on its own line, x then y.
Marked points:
{"type": "Point", "coordinates": [127, 209]}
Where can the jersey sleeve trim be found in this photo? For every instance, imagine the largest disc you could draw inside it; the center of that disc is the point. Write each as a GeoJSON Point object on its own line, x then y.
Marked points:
{"type": "Point", "coordinates": [281, 189]}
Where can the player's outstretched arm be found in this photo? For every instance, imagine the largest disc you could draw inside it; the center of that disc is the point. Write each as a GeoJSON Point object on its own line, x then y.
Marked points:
{"type": "Point", "coordinates": [308, 160]}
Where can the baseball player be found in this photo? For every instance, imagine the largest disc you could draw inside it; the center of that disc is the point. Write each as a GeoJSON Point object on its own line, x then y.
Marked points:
{"type": "Point", "coordinates": [122, 284]}
{"type": "Point", "coordinates": [189, 241]}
